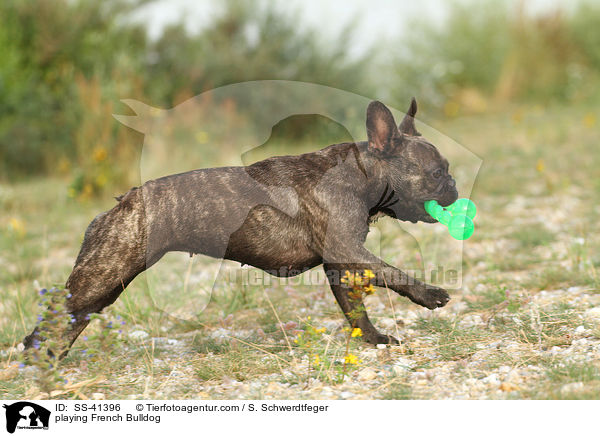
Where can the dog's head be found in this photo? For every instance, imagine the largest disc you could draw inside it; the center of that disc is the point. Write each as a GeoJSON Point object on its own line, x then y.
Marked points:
{"type": "Point", "coordinates": [413, 167]}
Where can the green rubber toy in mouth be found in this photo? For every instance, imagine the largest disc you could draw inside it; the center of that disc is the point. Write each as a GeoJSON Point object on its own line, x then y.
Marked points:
{"type": "Point", "coordinates": [458, 217]}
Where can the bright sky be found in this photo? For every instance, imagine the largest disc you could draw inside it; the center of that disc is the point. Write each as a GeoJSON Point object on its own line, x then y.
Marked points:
{"type": "Point", "coordinates": [378, 21]}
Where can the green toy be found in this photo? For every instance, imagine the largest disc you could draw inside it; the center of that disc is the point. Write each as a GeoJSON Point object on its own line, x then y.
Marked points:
{"type": "Point", "coordinates": [458, 217]}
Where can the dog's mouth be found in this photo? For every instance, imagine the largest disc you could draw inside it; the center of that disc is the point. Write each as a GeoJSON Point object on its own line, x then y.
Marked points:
{"type": "Point", "coordinates": [422, 213]}
{"type": "Point", "coordinates": [446, 196]}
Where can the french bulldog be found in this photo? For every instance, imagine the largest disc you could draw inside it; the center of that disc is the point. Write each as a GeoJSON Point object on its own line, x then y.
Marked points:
{"type": "Point", "coordinates": [284, 215]}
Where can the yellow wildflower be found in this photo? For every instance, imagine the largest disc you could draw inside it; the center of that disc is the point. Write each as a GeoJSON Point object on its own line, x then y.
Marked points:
{"type": "Point", "coordinates": [321, 330]}
{"type": "Point", "coordinates": [17, 226]}
{"type": "Point", "coordinates": [356, 332]}
{"type": "Point", "coordinates": [317, 360]}
{"type": "Point", "coordinates": [351, 358]}
{"type": "Point", "coordinates": [540, 165]}
{"type": "Point", "coordinates": [346, 278]}
{"type": "Point", "coordinates": [202, 137]}
{"type": "Point", "coordinates": [369, 274]}
{"type": "Point", "coordinates": [101, 180]}
{"type": "Point", "coordinates": [517, 116]}
{"type": "Point", "coordinates": [64, 166]}
{"type": "Point", "coordinates": [451, 109]}
{"type": "Point", "coordinates": [100, 154]}
{"type": "Point", "coordinates": [589, 120]}
{"type": "Point", "coordinates": [86, 192]}
{"type": "Point", "coordinates": [369, 289]}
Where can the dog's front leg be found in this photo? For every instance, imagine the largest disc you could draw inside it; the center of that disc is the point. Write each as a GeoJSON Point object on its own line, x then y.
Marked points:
{"type": "Point", "coordinates": [357, 259]}
{"type": "Point", "coordinates": [354, 309]}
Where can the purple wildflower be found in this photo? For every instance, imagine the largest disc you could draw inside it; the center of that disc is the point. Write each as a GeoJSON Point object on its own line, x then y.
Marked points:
{"type": "Point", "coordinates": [43, 291]}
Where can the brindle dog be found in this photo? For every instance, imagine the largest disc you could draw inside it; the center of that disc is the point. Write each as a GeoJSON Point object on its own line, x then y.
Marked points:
{"type": "Point", "coordinates": [285, 214]}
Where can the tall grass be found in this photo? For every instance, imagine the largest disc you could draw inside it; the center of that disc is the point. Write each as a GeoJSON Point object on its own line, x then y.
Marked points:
{"type": "Point", "coordinates": [64, 66]}
{"type": "Point", "coordinates": [488, 54]}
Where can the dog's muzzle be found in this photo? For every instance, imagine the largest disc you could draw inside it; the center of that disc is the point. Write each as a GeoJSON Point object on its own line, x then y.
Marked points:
{"type": "Point", "coordinates": [448, 193]}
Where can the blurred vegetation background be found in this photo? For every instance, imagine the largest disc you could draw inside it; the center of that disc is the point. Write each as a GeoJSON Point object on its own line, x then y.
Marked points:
{"type": "Point", "coordinates": [65, 64]}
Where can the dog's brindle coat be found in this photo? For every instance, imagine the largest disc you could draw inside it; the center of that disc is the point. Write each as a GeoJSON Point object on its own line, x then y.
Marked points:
{"type": "Point", "coordinates": [285, 215]}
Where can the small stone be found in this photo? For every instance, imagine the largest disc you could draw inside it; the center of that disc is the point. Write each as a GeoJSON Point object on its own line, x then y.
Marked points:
{"type": "Point", "coordinates": [346, 395]}
{"type": "Point", "coordinates": [513, 377]}
{"type": "Point", "coordinates": [367, 374]}
{"type": "Point", "coordinates": [593, 313]}
{"type": "Point", "coordinates": [491, 379]}
{"type": "Point", "coordinates": [272, 387]}
{"type": "Point", "coordinates": [580, 330]}
{"type": "Point", "coordinates": [507, 387]}
{"type": "Point", "coordinates": [402, 365]}
{"type": "Point", "coordinates": [417, 374]}
{"type": "Point", "coordinates": [369, 353]}
{"type": "Point", "coordinates": [138, 334]}
{"type": "Point", "coordinates": [387, 323]}
{"type": "Point", "coordinates": [9, 372]}
{"type": "Point", "coordinates": [381, 346]}
{"type": "Point", "coordinates": [571, 387]}
{"type": "Point", "coordinates": [98, 396]}
{"type": "Point", "coordinates": [459, 306]}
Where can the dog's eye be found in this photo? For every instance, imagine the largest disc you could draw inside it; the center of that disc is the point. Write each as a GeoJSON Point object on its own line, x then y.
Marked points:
{"type": "Point", "coordinates": [437, 173]}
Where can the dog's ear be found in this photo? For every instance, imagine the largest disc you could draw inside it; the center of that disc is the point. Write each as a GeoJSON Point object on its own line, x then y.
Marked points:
{"type": "Point", "coordinates": [381, 128]}
{"type": "Point", "coordinates": [407, 126]}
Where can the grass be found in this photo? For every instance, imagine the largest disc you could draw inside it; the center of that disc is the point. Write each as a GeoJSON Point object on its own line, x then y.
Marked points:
{"type": "Point", "coordinates": [397, 390]}
{"type": "Point", "coordinates": [553, 278]}
{"type": "Point", "coordinates": [450, 340]}
{"type": "Point", "coordinates": [535, 231]}
{"type": "Point", "coordinates": [531, 236]}
{"type": "Point", "coordinates": [570, 381]}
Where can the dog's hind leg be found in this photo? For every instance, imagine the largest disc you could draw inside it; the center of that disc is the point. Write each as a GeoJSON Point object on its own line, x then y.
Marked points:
{"type": "Point", "coordinates": [113, 253]}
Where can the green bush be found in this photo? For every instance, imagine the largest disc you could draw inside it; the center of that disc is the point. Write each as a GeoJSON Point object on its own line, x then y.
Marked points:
{"type": "Point", "coordinates": [486, 53]}
{"type": "Point", "coordinates": [64, 66]}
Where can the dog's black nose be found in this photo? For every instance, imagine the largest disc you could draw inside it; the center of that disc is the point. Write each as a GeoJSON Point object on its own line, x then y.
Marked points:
{"type": "Point", "coordinates": [451, 183]}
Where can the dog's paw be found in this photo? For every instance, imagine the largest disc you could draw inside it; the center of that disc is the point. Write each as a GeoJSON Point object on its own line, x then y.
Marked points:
{"type": "Point", "coordinates": [431, 297]}
{"type": "Point", "coordinates": [379, 338]}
